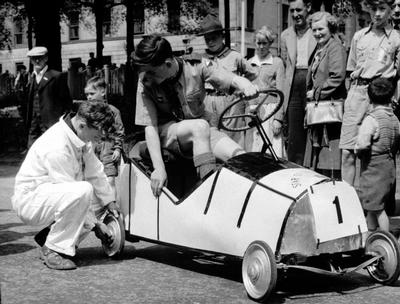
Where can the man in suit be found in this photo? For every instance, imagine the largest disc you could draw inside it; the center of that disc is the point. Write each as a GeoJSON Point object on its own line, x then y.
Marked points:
{"type": "Point", "coordinates": [48, 96]}
{"type": "Point", "coordinates": [297, 45]}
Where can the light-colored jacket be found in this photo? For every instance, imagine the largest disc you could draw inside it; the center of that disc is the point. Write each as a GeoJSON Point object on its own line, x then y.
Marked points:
{"type": "Point", "coordinates": [60, 156]}
{"type": "Point", "coordinates": [289, 55]}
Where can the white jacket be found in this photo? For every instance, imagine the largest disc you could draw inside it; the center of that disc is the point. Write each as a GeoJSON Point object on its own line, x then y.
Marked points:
{"type": "Point", "coordinates": [59, 156]}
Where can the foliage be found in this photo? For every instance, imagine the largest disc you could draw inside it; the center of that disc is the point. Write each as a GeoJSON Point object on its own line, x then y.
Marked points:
{"type": "Point", "coordinates": [191, 14]}
{"type": "Point", "coordinates": [8, 10]}
{"type": "Point", "coordinates": [346, 8]}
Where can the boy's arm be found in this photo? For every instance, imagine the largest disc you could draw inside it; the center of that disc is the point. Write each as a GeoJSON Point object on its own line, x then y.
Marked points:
{"type": "Point", "coordinates": [159, 174]}
{"type": "Point", "coordinates": [119, 131]}
{"type": "Point", "coordinates": [367, 132]}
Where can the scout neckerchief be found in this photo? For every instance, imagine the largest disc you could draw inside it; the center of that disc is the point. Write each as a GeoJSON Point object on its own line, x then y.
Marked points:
{"type": "Point", "coordinates": [169, 87]}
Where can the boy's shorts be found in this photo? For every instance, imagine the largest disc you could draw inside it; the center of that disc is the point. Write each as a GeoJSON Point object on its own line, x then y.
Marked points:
{"type": "Point", "coordinates": [104, 152]}
{"type": "Point", "coordinates": [169, 138]}
{"type": "Point", "coordinates": [377, 179]}
{"type": "Point", "coordinates": [356, 106]}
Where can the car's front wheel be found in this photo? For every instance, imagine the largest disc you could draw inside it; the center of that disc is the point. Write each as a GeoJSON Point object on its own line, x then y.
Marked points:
{"type": "Point", "coordinates": [117, 229]}
{"type": "Point", "coordinates": [385, 270]}
{"type": "Point", "coordinates": [259, 271]}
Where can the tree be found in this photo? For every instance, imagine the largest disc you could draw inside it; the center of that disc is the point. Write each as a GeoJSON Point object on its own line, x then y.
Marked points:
{"type": "Point", "coordinates": [46, 26]}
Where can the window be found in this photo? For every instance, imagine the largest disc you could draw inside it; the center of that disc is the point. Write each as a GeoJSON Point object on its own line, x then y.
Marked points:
{"type": "Point", "coordinates": [18, 31]}
{"type": "Point", "coordinates": [138, 26]}
{"type": "Point", "coordinates": [107, 22]}
{"type": "Point", "coordinates": [74, 26]}
{"type": "Point", "coordinates": [138, 17]}
{"type": "Point", "coordinates": [250, 14]}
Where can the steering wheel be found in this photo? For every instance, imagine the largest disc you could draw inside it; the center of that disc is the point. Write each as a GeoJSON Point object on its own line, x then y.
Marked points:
{"type": "Point", "coordinates": [251, 111]}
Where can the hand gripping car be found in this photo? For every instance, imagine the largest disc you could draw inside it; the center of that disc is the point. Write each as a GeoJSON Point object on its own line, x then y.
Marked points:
{"type": "Point", "coordinates": [269, 212]}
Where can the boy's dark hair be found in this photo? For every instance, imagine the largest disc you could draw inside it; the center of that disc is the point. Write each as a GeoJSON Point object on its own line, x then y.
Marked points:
{"type": "Point", "coordinates": [378, 2]}
{"type": "Point", "coordinates": [97, 82]}
{"type": "Point", "coordinates": [380, 91]}
{"type": "Point", "coordinates": [152, 50]}
{"type": "Point", "coordinates": [97, 115]}
{"type": "Point", "coordinates": [306, 2]}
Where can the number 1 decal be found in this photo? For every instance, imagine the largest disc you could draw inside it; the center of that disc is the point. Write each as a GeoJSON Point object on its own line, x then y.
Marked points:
{"type": "Point", "coordinates": [338, 210]}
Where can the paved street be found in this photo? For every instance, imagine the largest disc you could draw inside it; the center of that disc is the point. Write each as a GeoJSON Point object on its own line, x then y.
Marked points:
{"type": "Point", "coordinates": [149, 273]}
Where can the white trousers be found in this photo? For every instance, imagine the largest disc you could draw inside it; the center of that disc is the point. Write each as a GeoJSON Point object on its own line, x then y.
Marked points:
{"type": "Point", "coordinates": [71, 207]}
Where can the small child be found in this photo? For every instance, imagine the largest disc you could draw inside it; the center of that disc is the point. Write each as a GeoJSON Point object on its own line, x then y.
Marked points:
{"type": "Point", "coordinates": [377, 144]}
{"type": "Point", "coordinates": [108, 151]}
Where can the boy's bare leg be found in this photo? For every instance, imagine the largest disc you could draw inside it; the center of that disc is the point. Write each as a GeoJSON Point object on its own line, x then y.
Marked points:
{"type": "Point", "coordinates": [383, 220]}
{"type": "Point", "coordinates": [111, 181]}
{"type": "Point", "coordinates": [195, 134]}
{"type": "Point", "coordinates": [348, 166]}
{"type": "Point", "coordinates": [226, 148]}
{"type": "Point", "coordinates": [372, 222]}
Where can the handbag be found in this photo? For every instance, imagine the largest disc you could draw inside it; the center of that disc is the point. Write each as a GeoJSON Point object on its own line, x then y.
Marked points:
{"type": "Point", "coordinates": [324, 112]}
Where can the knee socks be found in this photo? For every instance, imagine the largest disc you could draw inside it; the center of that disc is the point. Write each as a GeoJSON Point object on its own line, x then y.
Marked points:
{"type": "Point", "coordinates": [204, 163]}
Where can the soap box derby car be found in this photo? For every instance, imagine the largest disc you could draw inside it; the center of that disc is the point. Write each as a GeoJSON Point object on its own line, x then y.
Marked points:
{"type": "Point", "coordinates": [269, 212]}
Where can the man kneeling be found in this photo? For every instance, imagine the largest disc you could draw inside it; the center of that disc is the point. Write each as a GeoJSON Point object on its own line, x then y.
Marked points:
{"type": "Point", "coordinates": [61, 184]}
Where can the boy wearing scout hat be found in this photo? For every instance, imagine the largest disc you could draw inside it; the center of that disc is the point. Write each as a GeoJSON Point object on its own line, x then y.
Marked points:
{"type": "Point", "coordinates": [48, 96]}
{"type": "Point", "coordinates": [216, 101]}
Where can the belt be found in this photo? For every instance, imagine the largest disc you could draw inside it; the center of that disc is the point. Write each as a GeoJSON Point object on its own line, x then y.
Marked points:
{"type": "Point", "coordinates": [361, 81]}
{"type": "Point", "coordinates": [215, 93]}
{"type": "Point", "coordinates": [365, 81]}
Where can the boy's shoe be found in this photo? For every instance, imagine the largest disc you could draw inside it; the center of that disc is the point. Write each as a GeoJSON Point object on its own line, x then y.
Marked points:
{"type": "Point", "coordinates": [55, 260]}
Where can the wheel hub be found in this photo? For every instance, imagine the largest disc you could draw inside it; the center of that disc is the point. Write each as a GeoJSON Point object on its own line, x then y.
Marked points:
{"type": "Point", "coordinates": [254, 271]}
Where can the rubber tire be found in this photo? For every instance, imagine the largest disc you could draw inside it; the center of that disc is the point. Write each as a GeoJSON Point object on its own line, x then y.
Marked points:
{"type": "Point", "coordinates": [117, 226]}
{"type": "Point", "coordinates": [260, 261]}
{"type": "Point", "coordinates": [384, 243]}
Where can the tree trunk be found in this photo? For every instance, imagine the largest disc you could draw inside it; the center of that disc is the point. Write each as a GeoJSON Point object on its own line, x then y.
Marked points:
{"type": "Point", "coordinates": [174, 10]}
{"type": "Point", "coordinates": [227, 22]}
{"type": "Point", "coordinates": [28, 7]}
{"type": "Point", "coordinates": [47, 29]}
{"type": "Point", "coordinates": [130, 84]}
{"type": "Point", "coordinates": [99, 6]}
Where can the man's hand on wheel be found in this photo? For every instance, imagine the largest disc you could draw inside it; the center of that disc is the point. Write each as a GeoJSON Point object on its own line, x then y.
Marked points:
{"type": "Point", "coordinates": [114, 209]}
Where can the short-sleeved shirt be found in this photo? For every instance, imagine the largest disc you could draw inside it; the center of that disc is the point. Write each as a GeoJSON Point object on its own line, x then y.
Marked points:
{"type": "Point", "coordinates": [232, 61]}
{"type": "Point", "coordinates": [374, 54]}
{"type": "Point", "coordinates": [154, 109]}
{"type": "Point", "coordinates": [369, 131]}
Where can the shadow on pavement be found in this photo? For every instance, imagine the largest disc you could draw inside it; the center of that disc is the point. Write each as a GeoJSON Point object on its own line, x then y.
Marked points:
{"type": "Point", "coordinates": [293, 284]}
{"type": "Point", "coordinates": [11, 236]}
{"type": "Point", "coordinates": [5, 210]}
{"type": "Point", "coordinates": [213, 265]}
{"type": "Point", "coordinates": [91, 256]}
{"type": "Point", "coordinates": [9, 249]}
{"type": "Point", "coordinates": [10, 225]}
{"type": "Point", "coordinates": [303, 285]}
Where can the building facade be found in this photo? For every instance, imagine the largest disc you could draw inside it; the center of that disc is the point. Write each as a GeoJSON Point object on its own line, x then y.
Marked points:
{"type": "Point", "coordinates": [78, 33]}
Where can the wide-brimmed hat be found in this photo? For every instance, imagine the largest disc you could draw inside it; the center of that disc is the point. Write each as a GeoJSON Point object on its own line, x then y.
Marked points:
{"type": "Point", "coordinates": [210, 24]}
{"type": "Point", "coordinates": [37, 51]}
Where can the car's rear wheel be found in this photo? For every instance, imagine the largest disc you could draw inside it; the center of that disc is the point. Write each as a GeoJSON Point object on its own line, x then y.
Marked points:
{"type": "Point", "coordinates": [117, 229]}
{"type": "Point", "coordinates": [259, 271]}
{"type": "Point", "coordinates": [385, 270]}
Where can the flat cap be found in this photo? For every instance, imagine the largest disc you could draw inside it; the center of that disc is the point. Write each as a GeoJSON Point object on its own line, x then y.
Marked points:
{"type": "Point", "coordinates": [37, 51]}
